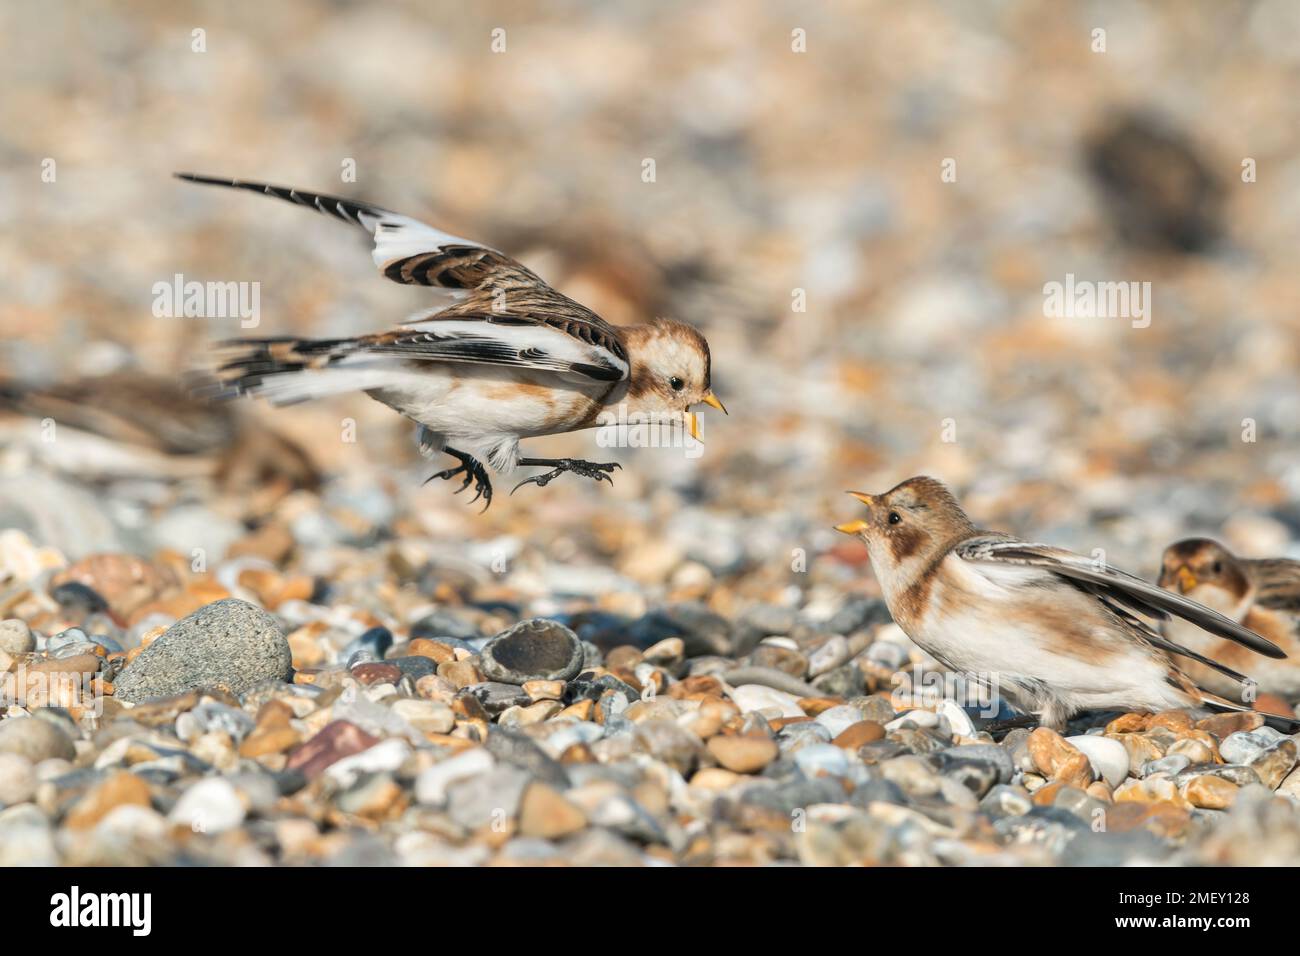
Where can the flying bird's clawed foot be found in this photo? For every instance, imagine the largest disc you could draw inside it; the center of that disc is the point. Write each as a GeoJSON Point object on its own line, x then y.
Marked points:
{"type": "Point", "coordinates": [587, 469]}
{"type": "Point", "coordinates": [473, 471]}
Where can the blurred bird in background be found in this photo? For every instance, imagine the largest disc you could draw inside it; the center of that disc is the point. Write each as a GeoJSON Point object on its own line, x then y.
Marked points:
{"type": "Point", "coordinates": [1261, 594]}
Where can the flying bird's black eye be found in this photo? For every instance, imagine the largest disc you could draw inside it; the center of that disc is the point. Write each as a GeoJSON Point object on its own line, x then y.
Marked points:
{"type": "Point", "coordinates": [1217, 567]}
{"type": "Point", "coordinates": [895, 517]}
{"type": "Point", "coordinates": [676, 383]}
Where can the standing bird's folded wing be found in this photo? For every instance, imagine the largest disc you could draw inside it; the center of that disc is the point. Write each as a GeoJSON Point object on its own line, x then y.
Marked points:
{"type": "Point", "coordinates": [1118, 586]}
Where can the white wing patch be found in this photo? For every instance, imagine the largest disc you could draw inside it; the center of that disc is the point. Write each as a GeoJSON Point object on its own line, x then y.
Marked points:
{"type": "Point", "coordinates": [399, 237]}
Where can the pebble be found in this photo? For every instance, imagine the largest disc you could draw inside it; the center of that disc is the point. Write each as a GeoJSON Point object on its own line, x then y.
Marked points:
{"type": "Point", "coordinates": [840, 718]}
{"type": "Point", "coordinates": [743, 754]}
{"type": "Point", "coordinates": [432, 783]}
{"type": "Point", "coordinates": [817, 760]}
{"type": "Point", "coordinates": [1275, 762]}
{"type": "Point", "coordinates": [535, 649]}
{"type": "Point", "coordinates": [1109, 758]}
{"type": "Point", "coordinates": [35, 739]}
{"type": "Point", "coordinates": [1059, 759]}
{"type": "Point", "coordinates": [958, 720]}
{"type": "Point", "coordinates": [384, 757]}
{"type": "Point", "coordinates": [229, 644]}
{"type": "Point", "coordinates": [831, 654]}
{"type": "Point", "coordinates": [17, 779]}
{"type": "Point", "coordinates": [489, 799]}
{"type": "Point", "coordinates": [1290, 787]}
{"type": "Point", "coordinates": [334, 741]}
{"type": "Point", "coordinates": [546, 814]}
{"type": "Point", "coordinates": [427, 716]}
{"type": "Point", "coordinates": [918, 718]}
{"type": "Point", "coordinates": [756, 697]}
{"type": "Point", "coordinates": [978, 767]}
{"type": "Point", "coordinates": [26, 838]}
{"type": "Point", "coordinates": [668, 741]}
{"type": "Point", "coordinates": [118, 790]}
{"type": "Point", "coordinates": [1214, 793]}
{"type": "Point", "coordinates": [497, 697]}
{"type": "Point", "coordinates": [1006, 801]}
{"type": "Point", "coordinates": [1171, 765]}
{"type": "Point", "coordinates": [209, 806]}
{"type": "Point", "coordinates": [859, 734]}
{"type": "Point", "coordinates": [16, 637]}
{"type": "Point", "coordinates": [544, 689]}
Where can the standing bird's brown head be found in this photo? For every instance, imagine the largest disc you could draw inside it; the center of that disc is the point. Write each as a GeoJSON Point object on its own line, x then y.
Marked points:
{"type": "Point", "coordinates": [911, 522]}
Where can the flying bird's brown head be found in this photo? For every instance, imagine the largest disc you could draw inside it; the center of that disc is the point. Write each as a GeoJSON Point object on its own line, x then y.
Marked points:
{"type": "Point", "coordinates": [909, 524]}
{"type": "Point", "coordinates": [1207, 572]}
{"type": "Point", "coordinates": [670, 371]}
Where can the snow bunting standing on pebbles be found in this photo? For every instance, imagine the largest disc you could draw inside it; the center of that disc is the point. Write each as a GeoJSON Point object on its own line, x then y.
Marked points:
{"type": "Point", "coordinates": [1055, 632]}
{"type": "Point", "coordinates": [1260, 594]}
{"type": "Point", "coordinates": [506, 358]}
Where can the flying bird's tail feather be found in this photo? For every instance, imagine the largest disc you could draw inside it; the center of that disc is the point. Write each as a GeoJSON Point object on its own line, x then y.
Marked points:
{"type": "Point", "coordinates": [289, 370]}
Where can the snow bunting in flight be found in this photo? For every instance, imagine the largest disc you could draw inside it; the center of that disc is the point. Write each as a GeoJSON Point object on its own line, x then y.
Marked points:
{"type": "Point", "coordinates": [1260, 594]}
{"type": "Point", "coordinates": [1055, 632]}
{"type": "Point", "coordinates": [506, 358]}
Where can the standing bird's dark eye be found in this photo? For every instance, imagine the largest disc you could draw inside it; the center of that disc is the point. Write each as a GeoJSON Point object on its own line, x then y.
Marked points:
{"type": "Point", "coordinates": [676, 383]}
{"type": "Point", "coordinates": [1217, 567]}
{"type": "Point", "coordinates": [895, 517]}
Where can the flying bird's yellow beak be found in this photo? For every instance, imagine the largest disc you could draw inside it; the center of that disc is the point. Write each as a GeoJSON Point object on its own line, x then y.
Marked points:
{"type": "Point", "coordinates": [1186, 579]}
{"type": "Point", "coordinates": [715, 402]}
{"type": "Point", "coordinates": [865, 498]}
{"type": "Point", "coordinates": [693, 423]}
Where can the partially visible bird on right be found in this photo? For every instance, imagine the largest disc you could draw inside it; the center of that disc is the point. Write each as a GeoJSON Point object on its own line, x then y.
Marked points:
{"type": "Point", "coordinates": [1262, 594]}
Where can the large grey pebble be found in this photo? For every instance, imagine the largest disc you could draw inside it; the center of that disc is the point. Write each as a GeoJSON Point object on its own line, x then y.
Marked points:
{"type": "Point", "coordinates": [231, 643]}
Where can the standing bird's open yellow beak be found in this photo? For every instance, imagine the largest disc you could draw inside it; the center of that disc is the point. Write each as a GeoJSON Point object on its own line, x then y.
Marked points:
{"type": "Point", "coordinates": [854, 527]}
{"type": "Point", "coordinates": [1186, 579]}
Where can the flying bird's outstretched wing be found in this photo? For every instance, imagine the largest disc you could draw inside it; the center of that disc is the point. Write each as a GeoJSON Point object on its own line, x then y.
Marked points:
{"type": "Point", "coordinates": [501, 313]}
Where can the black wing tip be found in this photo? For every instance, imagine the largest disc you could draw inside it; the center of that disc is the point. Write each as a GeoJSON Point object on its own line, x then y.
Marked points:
{"type": "Point", "coordinates": [205, 179]}
{"type": "Point", "coordinates": [1272, 651]}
